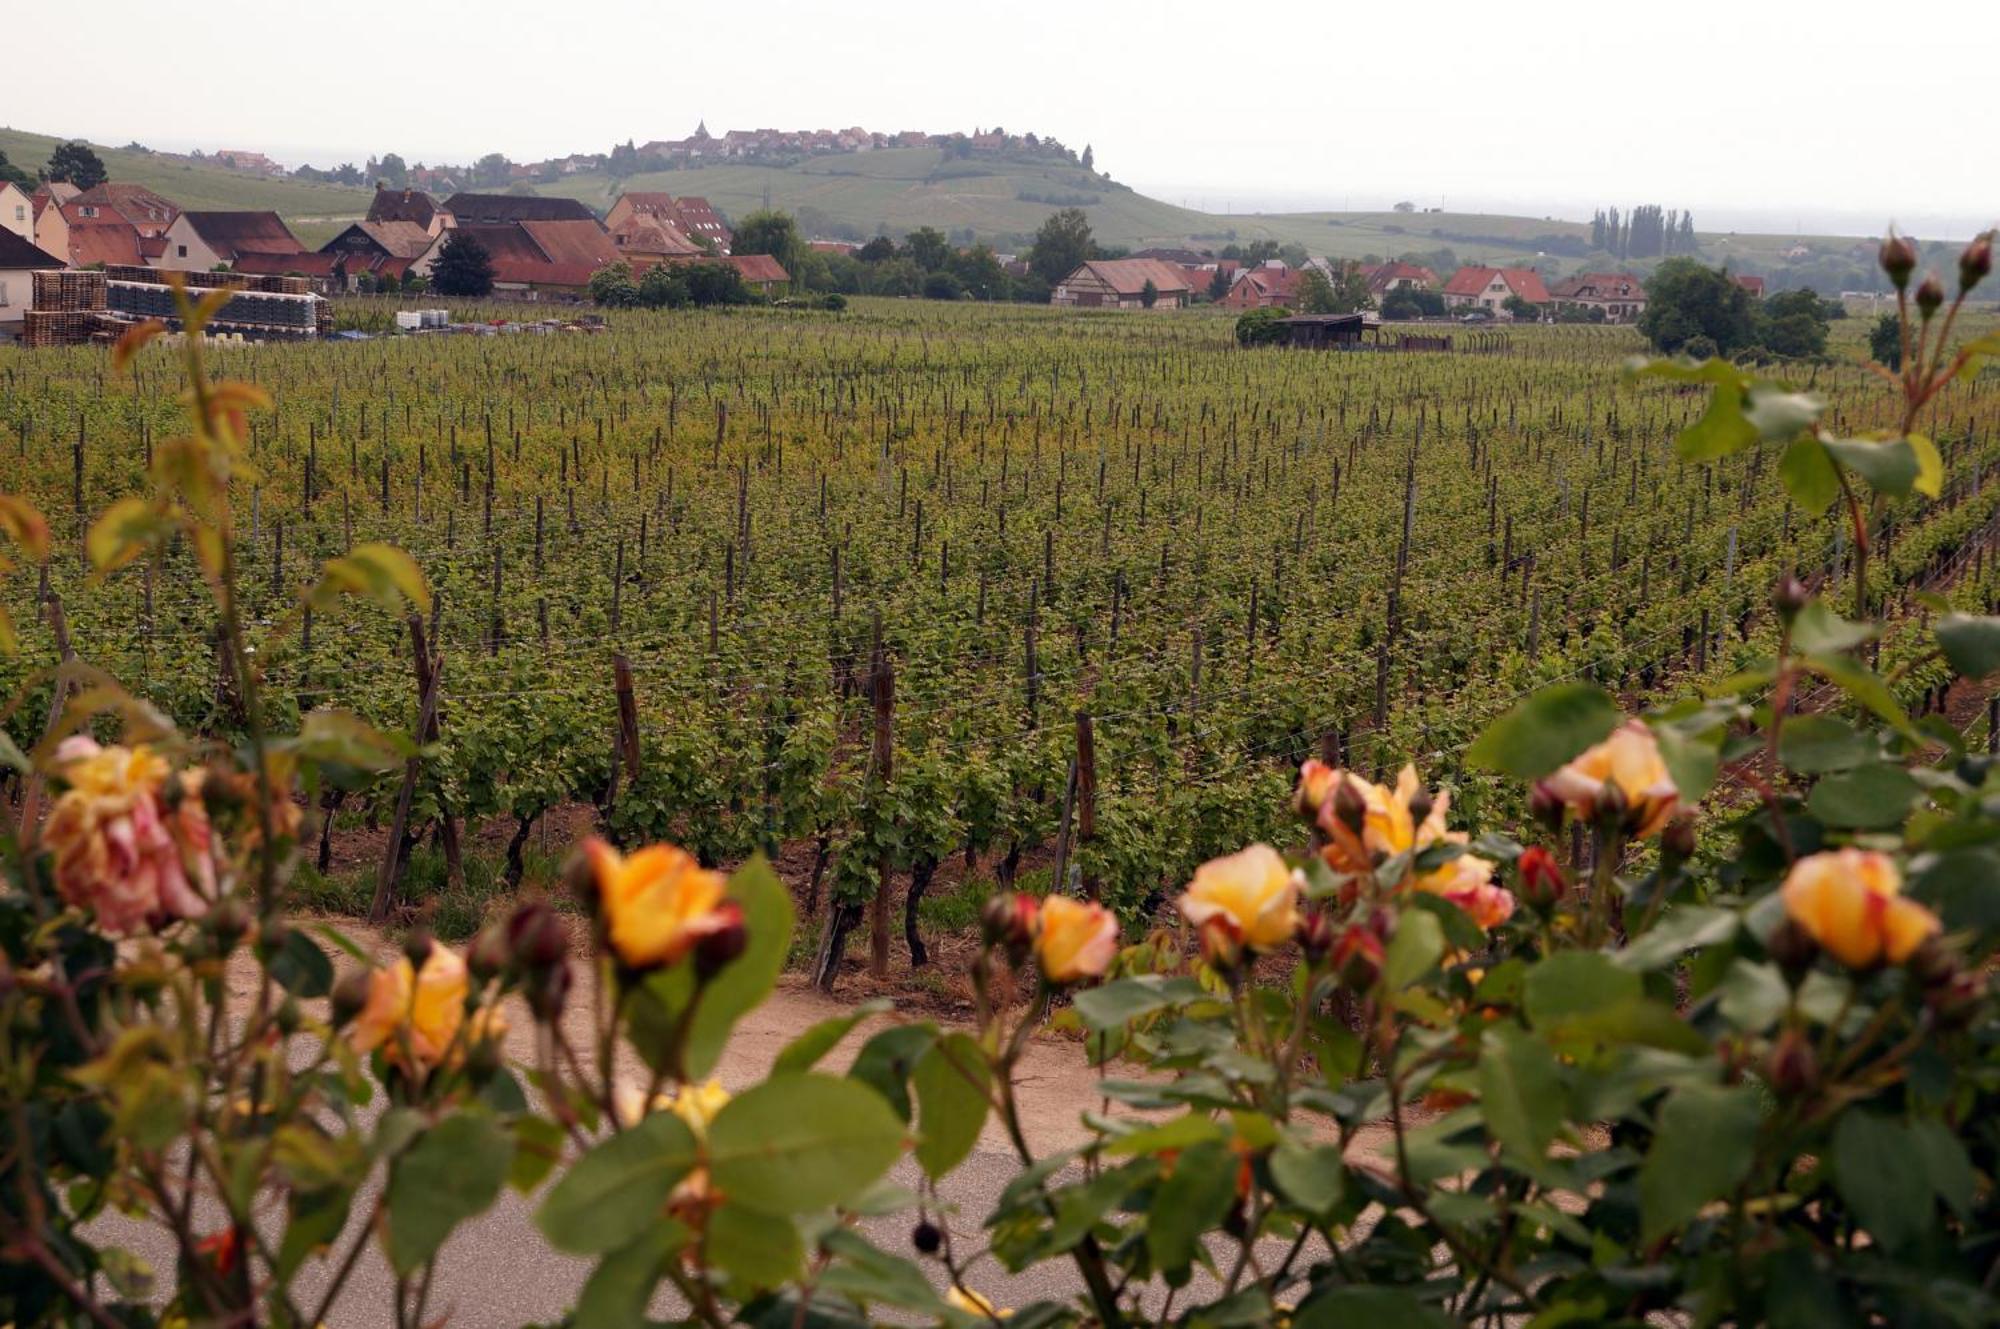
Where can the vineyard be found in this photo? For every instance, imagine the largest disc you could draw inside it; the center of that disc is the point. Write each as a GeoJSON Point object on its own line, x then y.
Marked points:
{"type": "Point", "coordinates": [914, 584]}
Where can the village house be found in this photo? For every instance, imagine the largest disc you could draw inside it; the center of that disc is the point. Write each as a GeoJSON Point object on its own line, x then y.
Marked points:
{"type": "Point", "coordinates": [51, 229]}
{"type": "Point", "coordinates": [1620, 295]}
{"type": "Point", "coordinates": [1490, 289]}
{"type": "Point", "coordinates": [103, 238]}
{"type": "Point", "coordinates": [534, 257]}
{"type": "Point", "coordinates": [203, 241]}
{"type": "Point", "coordinates": [377, 248]}
{"type": "Point", "coordinates": [649, 226]}
{"type": "Point", "coordinates": [1269, 285]}
{"type": "Point", "coordinates": [146, 212]}
{"type": "Point", "coordinates": [408, 205]}
{"type": "Point", "coordinates": [17, 211]}
{"type": "Point", "coordinates": [19, 261]}
{"type": "Point", "coordinates": [256, 163]}
{"type": "Point", "coordinates": [1384, 279]}
{"type": "Point", "coordinates": [1120, 283]}
{"type": "Point", "coordinates": [1754, 285]}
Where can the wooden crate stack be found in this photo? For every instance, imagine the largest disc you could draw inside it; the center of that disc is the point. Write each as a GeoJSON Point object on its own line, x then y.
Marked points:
{"type": "Point", "coordinates": [67, 291]}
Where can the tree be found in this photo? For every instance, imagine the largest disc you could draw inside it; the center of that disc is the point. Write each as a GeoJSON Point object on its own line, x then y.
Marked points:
{"type": "Point", "coordinates": [1218, 285]}
{"type": "Point", "coordinates": [1149, 294]}
{"type": "Point", "coordinates": [1089, 158]}
{"type": "Point", "coordinates": [12, 174]}
{"type": "Point", "coordinates": [75, 163]}
{"type": "Point", "coordinates": [1061, 245]}
{"type": "Point", "coordinates": [1406, 206]}
{"type": "Point", "coordinates": [941, 285]}
{"type": "Point", "coordinates": [877, 250]}
{"type": "Point", "coordinates": [1260, 327]}
{"type": "Point", "coordinates": [613, 285]}
{"type": "Point", "coordinates": [978, 270]}
{"type": "Point", "coordinates": [1885, 342]}
{"type": "Point", "coordinates": [393, 171]}
{"type": "Point", "coordinates": [1412, 302]}
{"type": "Point", "coordinates": [492, 169]}
{"type": "Point", "coordinates": [463, 267]}
{"type": "Point", "coordinates": [928, 248]}
{"type": "Point", "coordinates": [768, 231]}
{"type": "Point", "coordinates": [1523, 310]}
{"type": "Point", "coordinates": [1685, 299]}
{"type": "Point", "coordinates": [1793, 323]}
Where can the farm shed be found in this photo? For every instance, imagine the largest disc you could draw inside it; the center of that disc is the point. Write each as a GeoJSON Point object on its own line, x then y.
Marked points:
{"type": "Point", "coordinates": [1322, 332]}
{"type": "Point", "coordinates": [1120, 283]}
{"type": "Point", "coordinates": [199, 241]}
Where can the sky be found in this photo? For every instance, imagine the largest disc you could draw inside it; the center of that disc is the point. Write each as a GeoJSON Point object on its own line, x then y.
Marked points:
{"type": "Point", "coordinates": [1754, 113]}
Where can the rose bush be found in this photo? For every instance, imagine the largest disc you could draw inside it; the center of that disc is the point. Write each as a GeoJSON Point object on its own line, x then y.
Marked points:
{"type": "Point", "coordinates": [1596, 1068]}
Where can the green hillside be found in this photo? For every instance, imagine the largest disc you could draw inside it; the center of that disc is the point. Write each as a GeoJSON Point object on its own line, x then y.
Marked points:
{"type": "Point", "coordinates": [314, 211]}
{"type": "Point", "coordinates": [1002, 200]}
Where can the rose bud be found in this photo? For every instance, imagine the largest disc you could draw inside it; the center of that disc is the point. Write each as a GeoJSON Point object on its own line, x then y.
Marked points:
{"type": "Point", "coordinates": [579, 877]}
{"type": "Point", "coordinates": [1420, 806]}
{"type": "Point", "coordinates": [289, 1017]}
{"type": "Point", "coordinates": [1221, 945]}
{"type": "Point", "coordinates": [1350, 807]}
{"type": "Point", "coordinates": [1677, 841]}
{"type": "Point", "coordinates": [1975, 262]}
{"type": "Point", "coordinates": [1898, 258]}
{"type": "Point", "coordinates": [1542, 880]}
{"type": "Point", "coordinates": [1357, 955]}
{"type": "Point", "coordinates": [926, 1237]}
{"type": "Point", "coordinates": [1316, 935]}
{"type": "Point", "coordinates": [1954, 1003]}
{"type": "Point", "coordinates": [350, 994]}
{"type": "Point", "coordinates": [1612, 805]}
{"type": "Point", "coordinates": [548, 991]}
{"type": "Point", "coordinates": [1316, 780]}
{"type": "Point", "coordinates": [713, 953]}
{"type": "Point", "coordinates": [1009, 922]}
{"type": "Point", "coordinates": [486, 958]}
{"type": "Point", "coordinates": [229, 920]}
{"type": "Point", "coordinates": [1930, 294]}
{"type": "Point", "coordinates": [1545, 806]}
{"type": "Point", "coordinates": [1791, 1068]}
{"type": "Point", "coordinates": [536, 935]}
{"type": "Point", "coordinates": [1789, 597]}
{"type": "Point", "coordinates": [1792, 949]}
{"type": "Point", "coordinates": [1933, 963]}
{"type": "Point", "coordinates": [417, 946]}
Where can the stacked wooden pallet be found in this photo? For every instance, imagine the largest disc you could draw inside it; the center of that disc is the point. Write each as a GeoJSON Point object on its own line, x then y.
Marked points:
{"type": "Point", "coordinates": [67, 327]}
{"type": "Point", "coordinates": [67, 292]}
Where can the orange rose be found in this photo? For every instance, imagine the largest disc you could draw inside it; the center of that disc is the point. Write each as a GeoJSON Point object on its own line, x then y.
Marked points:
{"type": "Point", "coordinates": [658, 903]}
{"type": "Point", "coordinates": [1388, 820]}
{"type": "Point", "coordinates": [1074, 940]}
{"type": "Point", "coordinates": [1628, 762]}
{"type": "Point", "coordinates": [1850, 901]}
{"type": "Point", "coordinates": [415, 1012]}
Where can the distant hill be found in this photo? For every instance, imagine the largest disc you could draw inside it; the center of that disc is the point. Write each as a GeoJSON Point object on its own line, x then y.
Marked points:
{"type": "Point", "coordinates": [1000, 199]}
{"type": "Point", "coordinates": [314, 211]}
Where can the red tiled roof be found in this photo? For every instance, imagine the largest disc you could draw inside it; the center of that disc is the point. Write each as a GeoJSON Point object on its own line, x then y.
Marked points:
{"type": "Point", "coordinates": [562, 253]}
{"type": "Point", "coordinates": [654, 239]}
{"type": "Point", "coordinates": [402, 205]}
{"type": "Point", "coordinates": [1128, 276]}
{"type": "Point", "coordinates": [1754, 285]}
{"type": "Point", "coordinates": [1382, 275]}
{"type": "Point", "coordinates": [499, 209]}
{"type": "Point", "coordinates": [758, 269]}
{"type": "Point", "coordinates": [1600, 286]}
{"type": "Point", "coordinates": [100, 239]}
{"type": "Point", "coordinates": [1524, 282]}
{"type": "Point", "coordinates": [135, 203]}
{"type": "Point", "coordinates": [233, 234]}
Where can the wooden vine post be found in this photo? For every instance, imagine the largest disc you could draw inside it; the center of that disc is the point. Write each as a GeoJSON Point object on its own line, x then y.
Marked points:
{"type": "Point", "coordinates": [883, 688]}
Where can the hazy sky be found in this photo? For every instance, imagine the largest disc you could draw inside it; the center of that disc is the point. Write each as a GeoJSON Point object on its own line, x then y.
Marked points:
{"type": "Point", "coordinates": [1747, 111]}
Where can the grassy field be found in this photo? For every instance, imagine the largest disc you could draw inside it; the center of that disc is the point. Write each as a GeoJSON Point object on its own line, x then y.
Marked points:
{"type": "Point", "coordinates": [199, 187]}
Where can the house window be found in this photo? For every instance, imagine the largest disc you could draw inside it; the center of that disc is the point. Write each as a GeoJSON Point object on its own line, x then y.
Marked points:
{"type": "Point", "coordinates": [89, 211]}
{"type": "Point", "coordinates": [3, 295]}
{"type": "Point", "coordinates": [183, 251]}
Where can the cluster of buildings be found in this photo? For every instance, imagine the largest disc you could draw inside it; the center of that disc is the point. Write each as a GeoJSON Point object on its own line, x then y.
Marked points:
{"type": "Point", "coordinates": [1177, 277]}
{"type": "Point", "coordinates": [755, 144]}
{"type": "Point", "coordinates": [537, 245]}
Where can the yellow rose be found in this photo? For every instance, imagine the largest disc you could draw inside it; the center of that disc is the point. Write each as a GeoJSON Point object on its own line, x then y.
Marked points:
{"type": "Point", "coordinates": [972, 1303]}
{"type": "Point", "coordinates": [1074, 940]}
{"type": "Point", "coordinates": [1467, 881]}
{"type": "Point", "coordinates": [1389, 824]}
{"type": "Point", "coordinates": [1628, 761]}
{"type": "Point", "coordinates": [694, 1104]}
{"type": "Point", "coordinates": [1850, 901]}
{"type": "Point", "coordinates": [658, 903]}
{"type": "Point", "coordinates": [1251, 894]}
{"type": "Point", "coordinates": [414, 1012]}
